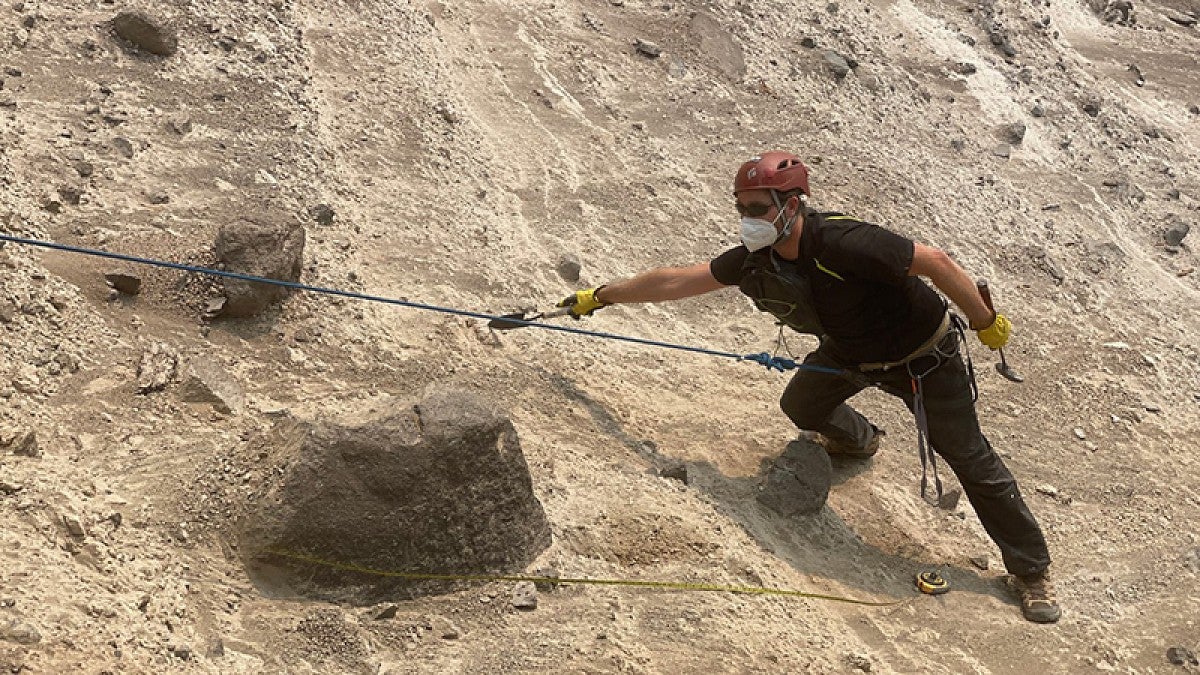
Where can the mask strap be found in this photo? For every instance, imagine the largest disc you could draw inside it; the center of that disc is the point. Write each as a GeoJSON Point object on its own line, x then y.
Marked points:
{"type": "Point", "coordinates": [788, 224]}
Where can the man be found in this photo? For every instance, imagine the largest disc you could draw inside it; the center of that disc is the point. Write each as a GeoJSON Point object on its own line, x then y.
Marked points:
{"type": "Point", "coordinates": [856, 286]}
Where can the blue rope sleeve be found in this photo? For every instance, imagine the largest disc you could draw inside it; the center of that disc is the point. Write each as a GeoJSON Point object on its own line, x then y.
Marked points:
{"type": "Point", "coordinates": [772, 363]}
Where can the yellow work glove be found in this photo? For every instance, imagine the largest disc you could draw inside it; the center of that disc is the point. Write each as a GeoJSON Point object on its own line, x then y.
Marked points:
{"type": "Point", "coordinates": [996, 335]}
{"type": "Point", "coordinates": [583, 303]}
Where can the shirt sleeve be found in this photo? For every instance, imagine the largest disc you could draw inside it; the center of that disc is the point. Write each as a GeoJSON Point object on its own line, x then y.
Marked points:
{"type": "Point", "coordinates": [870, 252]}
{"type": "Point", "coordinates": [727, 267]}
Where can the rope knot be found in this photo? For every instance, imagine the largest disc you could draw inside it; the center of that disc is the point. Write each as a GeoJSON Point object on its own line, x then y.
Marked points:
{"type": "Point", "coordinates": [771, 362]}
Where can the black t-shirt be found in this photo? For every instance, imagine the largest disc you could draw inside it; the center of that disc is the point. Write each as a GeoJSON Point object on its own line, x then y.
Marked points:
{"type": "Point", "coordinates": [870, 308]}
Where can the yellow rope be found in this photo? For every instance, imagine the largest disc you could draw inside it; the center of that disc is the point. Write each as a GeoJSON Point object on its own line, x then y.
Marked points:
{"type": "Point", "coordinates": [668, 585]}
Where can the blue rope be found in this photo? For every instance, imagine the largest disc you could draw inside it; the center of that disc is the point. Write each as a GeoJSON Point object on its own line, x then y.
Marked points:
{"type": "Point", "coordinates": [771, 362]}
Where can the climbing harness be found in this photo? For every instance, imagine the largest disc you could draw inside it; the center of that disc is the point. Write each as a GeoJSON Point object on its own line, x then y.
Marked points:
{"type": "Point", "coordinates": [924, 448]}
{"type": "Point", "coordinates": [763, 358]}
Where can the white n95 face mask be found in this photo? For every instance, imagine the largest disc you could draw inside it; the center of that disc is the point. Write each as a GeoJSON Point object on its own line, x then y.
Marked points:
{"type": "Point", "coordinates": [758, 233]}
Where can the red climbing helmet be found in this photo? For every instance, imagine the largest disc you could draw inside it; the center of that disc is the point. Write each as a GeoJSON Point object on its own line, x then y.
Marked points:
{"type": "Point", "coordinates": [780, 171]}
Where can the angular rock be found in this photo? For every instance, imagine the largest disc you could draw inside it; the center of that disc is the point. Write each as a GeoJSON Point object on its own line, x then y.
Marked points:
{"type": "Point", "coordinates": [19, 632]}
{"type": "Point", "coordinates": [205, 381]}
{"type": "Point", "coordinates": [444, 628]}
{"type": "Point", "coordinates": [261, 246]}
{"type": "Point", "coordinates": [569, 268]}
{"type": "Point", "coordinates": [646, 48]}
{"type": "Point", "coordinates": [388, 612]}
{"type": "Point", "coordinates": [144, 33]}
{"type": "Point", "coordinates": [157, 368]}
{"type": "Point", "coordinates": [323, 214]}
{"type": "Point", "coordinates": [1014, 133]}
{"type": "Point", "coordinates": [677, 472]}
{"type": "Point", "coordinates": [1176, 232]}
{"type": "Point", "coordinates": [22, 443]}
{"type": "Point", "coordinates": [798, 482]}
{"type": "Point", "coordinates": [123, 146]}
{"type": "Point", "coordinates": [437, 487]}
{"type": "Point", "coordinates": [1182, 656]}
{"type": "Point", "coordinates": [1186, 20]}
{"type": "Point", "coordinates": [124, 283]}
{"type": "Point", "coordinates": [838, 64]}
{"type": "Point", "coordinates": [525, 596]}
{"type": "Point", "coordinates": [74, 526]}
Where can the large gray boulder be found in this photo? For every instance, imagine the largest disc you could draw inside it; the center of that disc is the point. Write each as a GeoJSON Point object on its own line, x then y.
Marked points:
{"type": "Point", "coordinates": [439, 488]}
{"type": "Point", "coordinates": [261, 246]}
{"type": "Point", "coordinates": [798, 482]}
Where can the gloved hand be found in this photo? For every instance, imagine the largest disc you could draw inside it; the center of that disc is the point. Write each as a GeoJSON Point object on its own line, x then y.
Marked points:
{"type": "Point", "coordinates": [583, 303]}
{"type": "Point", "coordinates": [996, 335]}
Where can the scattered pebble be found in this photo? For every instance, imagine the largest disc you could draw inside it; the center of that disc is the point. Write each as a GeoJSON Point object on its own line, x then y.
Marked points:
{"type": "Point", "coordinates": [525, 596]}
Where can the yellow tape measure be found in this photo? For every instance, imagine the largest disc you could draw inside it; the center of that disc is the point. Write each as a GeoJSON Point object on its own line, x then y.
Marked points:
{"type": "Point", "coordinates": [663, 585]}
{"type": "Point", "coordinates": [932, 583]}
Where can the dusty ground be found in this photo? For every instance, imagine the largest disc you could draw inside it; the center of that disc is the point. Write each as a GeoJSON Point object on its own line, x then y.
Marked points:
{"type": "Point", "coordinates": [465, 149]}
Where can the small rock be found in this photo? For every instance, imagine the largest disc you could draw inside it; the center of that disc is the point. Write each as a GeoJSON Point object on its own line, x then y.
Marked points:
{"type": "Point", "coordinates": [1186, 20]}
{"type": "Point", "coordinates": [1048, 490]}
{"type": "Point", "coordinates": [964, 68]}
{"type": "Point", "coordinates": [182, 652]}
{"type": "Point", "coordinates": [74, 526]}
{"type": "Point", "coordinates": [84, 169]}
{"type": "Point", "coordinates": [205, 381]}
{"type": "Point", "coordinates": [838, 64]}
{"type": "Point", "coordinates": [387, 612]}
{"type": "Point", "coordinates": [123, 146]}
{"type": "Point", "coordinates": [20, 633]}
{"type": "Point", "coordinates": [1138, 78]}
{"type": "Point", "coordinates": [159, 198]}
{"type": "Point", "coordinates": [214, 307]}
{"type": "Point", "coordinates": [1182, 656]}
{"type": "Point", "coordinates": [7, 488]}
{"type": "Point", "coordinates": [179, 125]}
{"type": "Point", "coordinates": [1003, 150]}
{"type": "Point", "coordinates": [25, 443]}
{"type": "Point", "coordinates": [323, 214]}
{"type": "Point", "coordinates": [217, 650]}
{"type": "Point", "coordinates": [569, 268]}
{"type": "Point", "coordinates": [677, 472]}
{"type": "Point", "coordinates": [1175, 234]}
{"type": "Point", "coordinates": [1194, 109]}
{"type": "Point", "coordinates": [647, 49]}
{"type": "Point", "coordinates": [124, 283]}
{"type": "Point", "coordinates": [1037, 111]}
{"type": "Point", "coordinates": [1079, 433]}
{"type": "Point", "coordinates": [157, 368]}
{"type": "Point", "coordinates": [808, 42]}
{"type": "Point", "coordinates": [1014, 133]}
{"type": "Point", "coordinates": [981, 561]}
{"type": "Point", "coordinates": [1092, 108]}
{"type": "Point", "coordinates": [144, 33]}
{"type": "Point", "coordinates": [525, 596]}
{"type": "Point", "coordinates": [444, 628]}
{"type": "Point", "coordinates": [859, 661]}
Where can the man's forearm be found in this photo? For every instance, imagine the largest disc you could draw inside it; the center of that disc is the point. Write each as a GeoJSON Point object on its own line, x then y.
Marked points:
{"type": "Point", "coordinates": [954, 282]}
{"type": "Point", "coordinates": [659, 284]}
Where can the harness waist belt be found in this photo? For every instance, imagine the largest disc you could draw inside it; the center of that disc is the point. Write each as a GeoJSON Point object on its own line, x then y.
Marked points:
{"type": "Point", "coordinates": [942, 330]}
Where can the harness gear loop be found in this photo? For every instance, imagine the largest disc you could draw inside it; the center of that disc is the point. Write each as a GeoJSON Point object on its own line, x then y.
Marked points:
{"type": "Point", "coordinates": [925, 448]}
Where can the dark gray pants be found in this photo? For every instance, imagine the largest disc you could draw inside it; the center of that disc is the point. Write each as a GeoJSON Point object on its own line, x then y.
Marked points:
{"type": "Point", "coordinates": [816, 401]}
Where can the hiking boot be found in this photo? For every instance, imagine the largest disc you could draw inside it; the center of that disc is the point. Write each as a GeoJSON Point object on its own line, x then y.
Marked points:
{"type": "Point", "coordinates": [1038, 603]}
{"type": "Point", "coordinates": [834, 449]}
